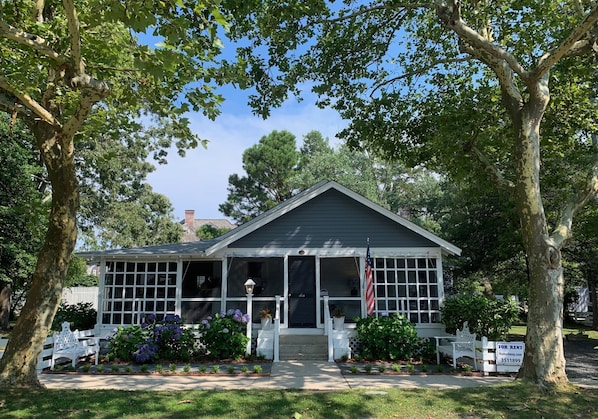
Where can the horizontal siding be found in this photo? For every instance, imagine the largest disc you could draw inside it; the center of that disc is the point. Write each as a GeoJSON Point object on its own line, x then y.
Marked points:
{"type": "Point", "coordinates": [332, 220]}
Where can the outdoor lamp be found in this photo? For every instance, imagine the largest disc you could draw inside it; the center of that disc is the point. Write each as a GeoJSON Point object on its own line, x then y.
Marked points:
{"type": "Point", "coordinates": [249, 285]}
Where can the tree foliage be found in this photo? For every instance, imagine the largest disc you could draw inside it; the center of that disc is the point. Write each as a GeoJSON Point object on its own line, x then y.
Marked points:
{"type": "Point", "coordinates": [207, 232]}
{"type": "Point", "coordinates": [268, 165]}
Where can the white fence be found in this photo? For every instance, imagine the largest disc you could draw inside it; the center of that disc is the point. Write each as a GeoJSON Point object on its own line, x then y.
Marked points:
{"type": "Point", "coordinates": [43, 361]}
{"type": "Point", "coordinates": [76, 295]}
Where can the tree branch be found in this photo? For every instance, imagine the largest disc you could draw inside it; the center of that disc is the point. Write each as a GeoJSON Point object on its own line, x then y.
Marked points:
{"type": "Point", "coordinates": [30, 103]}
{"type": "Point", "coordinates": [89, 97]}
{"type": "Point", "coordinates": [30, 40]}
{"type": "Point", "coordinates": [8, 105]}
{"type": "Point", "coordinates": [393, 6]}
{"type": "Point", "coordinates": [493, 171]}
{"type": "Point", "coordinates": [449, 12]}
{"type": "Point", "coordinates": [420, 71]}
{"type": "Point", "coordinates": [552, 57]}
{"type": "Point", "coordinates": [77, 65]}
{"type": "Point", "coordinates": [562, 230]}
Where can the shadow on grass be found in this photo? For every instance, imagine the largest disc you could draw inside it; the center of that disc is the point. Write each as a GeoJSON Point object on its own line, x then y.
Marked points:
{"type": "Point", "coordinates": [514, 400]}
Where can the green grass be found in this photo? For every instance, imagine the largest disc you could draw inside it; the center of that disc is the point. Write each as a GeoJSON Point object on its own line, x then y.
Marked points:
{"type": "Point", "coordinates": [514, 400]}
{"type": "Point", "coordinates": [520, 330]}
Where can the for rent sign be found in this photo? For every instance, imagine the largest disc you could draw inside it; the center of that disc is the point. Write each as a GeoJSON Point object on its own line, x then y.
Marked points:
{"type": "Point", "coordinates": [509, 353]}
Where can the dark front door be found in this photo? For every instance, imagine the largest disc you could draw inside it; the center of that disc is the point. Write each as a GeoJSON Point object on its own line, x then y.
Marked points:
{"type": "Point", "coordinates": [302, 291]}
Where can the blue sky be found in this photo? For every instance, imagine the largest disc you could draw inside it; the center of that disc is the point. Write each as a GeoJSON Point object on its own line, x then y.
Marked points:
{"type": "Point", "coordinates": [199, 180]}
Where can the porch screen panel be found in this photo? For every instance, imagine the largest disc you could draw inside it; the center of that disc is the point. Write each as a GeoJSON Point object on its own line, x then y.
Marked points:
{"type": "Point", "coordinates": [268, 275]}
{"type": "Point", "coordinates": [407, 286]}
{"type": "Point", "coordinates": [340, 278]}
{"type": "Point", "coordinates": [134, 289]}
{"type": "Point", "coordinates": [202, 290]}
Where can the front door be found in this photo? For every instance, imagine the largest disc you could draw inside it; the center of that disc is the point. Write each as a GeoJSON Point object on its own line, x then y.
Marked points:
{"type": "Point", "coordinates": [302, 291]}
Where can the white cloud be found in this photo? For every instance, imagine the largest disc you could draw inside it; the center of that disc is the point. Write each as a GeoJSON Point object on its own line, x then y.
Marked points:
{"type": "Point", "coordinates": [199, 180]}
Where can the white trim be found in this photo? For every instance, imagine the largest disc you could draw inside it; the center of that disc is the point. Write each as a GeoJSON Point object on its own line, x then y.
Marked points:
{"type": "Point", "coordinates": [341, 252]}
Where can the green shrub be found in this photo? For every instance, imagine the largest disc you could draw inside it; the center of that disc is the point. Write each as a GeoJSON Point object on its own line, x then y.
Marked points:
{"type": "Point", "coordinates": [154, 340]}
{"type": "Point", "coordinates": [387, 338]}
{"type": "Point", "coordinates": [485, 316]}
{"type": "Point", "coordinates": [81, 316]}
{"type": "Point", "coordinates": [125, 341]}
{"type": "Point", "coordinates": [224, 335]}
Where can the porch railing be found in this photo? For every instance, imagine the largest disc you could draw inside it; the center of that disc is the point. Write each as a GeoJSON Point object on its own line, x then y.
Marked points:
{"type": "Point", "coordinates": [276, 354]}
{"type": "Point", "coordinates": [328, 329]}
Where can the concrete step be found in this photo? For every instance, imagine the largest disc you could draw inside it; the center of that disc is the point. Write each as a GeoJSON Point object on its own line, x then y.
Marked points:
{"type": "Point", "coordinates": [296, 347]}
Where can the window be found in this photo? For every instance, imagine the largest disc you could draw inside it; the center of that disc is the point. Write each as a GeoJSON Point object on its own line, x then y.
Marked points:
{"type": "Point", "coordinates": [134, 289]}
{"type": "Point", "coordinates": [408, 286]}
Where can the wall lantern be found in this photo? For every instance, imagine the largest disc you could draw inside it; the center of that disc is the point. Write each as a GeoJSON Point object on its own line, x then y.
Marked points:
{"type": "Point", "coordinates": [249, 286]}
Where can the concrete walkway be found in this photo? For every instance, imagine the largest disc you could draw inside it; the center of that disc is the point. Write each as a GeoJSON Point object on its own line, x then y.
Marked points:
{"type": "Point", "coordinates": [306, 375]}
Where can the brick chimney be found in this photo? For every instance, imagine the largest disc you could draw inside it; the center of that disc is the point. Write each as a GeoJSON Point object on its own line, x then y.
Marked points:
{"type": "Point", "coordinates": [190, 218]}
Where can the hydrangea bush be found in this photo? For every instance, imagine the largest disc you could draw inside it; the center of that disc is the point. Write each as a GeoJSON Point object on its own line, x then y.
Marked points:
{"type": "Point", "coordinates": [389, 338]}
{"type": "Point", "coordinates": [154, 340]}
{"type": "Point", "coordinates": [224, 334]}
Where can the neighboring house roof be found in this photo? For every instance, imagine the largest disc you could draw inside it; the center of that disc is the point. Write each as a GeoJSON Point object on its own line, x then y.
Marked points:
{"type": "Point", "coordinates": [276, 214]}
{"type": "Point", "coordinates": [191, 225]}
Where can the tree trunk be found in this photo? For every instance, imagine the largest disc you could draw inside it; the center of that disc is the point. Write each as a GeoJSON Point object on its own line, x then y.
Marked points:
{"type": "Point", "coordinates": [593, 288]}
{"type": "Point", "coordinates": [544, 359]}
{"type": "Point", "coordinates": [18, 365]}
{"type": "Point", "coordinates": [5, 303]}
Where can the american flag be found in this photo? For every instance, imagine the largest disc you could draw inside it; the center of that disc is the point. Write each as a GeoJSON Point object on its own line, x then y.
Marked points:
{"type": "Point", "coordinates": [369, 284]}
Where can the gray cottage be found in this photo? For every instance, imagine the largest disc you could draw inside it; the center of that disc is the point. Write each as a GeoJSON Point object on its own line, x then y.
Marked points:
{"type": "Point", "coordinates": [308, 247]}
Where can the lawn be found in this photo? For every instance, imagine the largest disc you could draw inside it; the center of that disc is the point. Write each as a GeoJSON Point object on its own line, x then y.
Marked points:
{"type": "Point", "coordinates": [514, 400]}
{"type": "Point", "coordinates": [518, 332]}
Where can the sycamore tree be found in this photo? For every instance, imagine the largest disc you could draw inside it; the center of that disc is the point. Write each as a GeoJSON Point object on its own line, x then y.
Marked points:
{"type": "Point", "coordinates": [487, 87]}
{"type": "Point", "coordinates": [78, 73]}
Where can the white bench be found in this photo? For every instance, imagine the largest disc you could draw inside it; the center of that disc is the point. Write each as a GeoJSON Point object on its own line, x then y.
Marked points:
{"type": "Point", "coordinates": [73, 345]}
{"type": "Point", "coordinates": [462, 343]}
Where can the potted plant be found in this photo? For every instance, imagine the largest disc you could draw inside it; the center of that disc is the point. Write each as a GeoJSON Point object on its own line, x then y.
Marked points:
{"type": "Point", "coordinates": [266, 317]}
{"type": "Point", "coordinates": [338, 320]}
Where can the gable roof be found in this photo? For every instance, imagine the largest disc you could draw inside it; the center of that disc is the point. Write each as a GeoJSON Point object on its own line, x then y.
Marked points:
{"type": "Point", "coordinates": [209, 247]}
{"type": "Point", "coordinates": [311, 193]}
